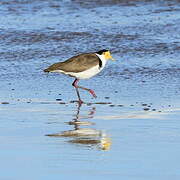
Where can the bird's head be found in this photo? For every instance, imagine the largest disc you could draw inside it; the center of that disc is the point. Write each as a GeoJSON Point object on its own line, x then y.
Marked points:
{"type": "Point", "coordinates": [106, 53]}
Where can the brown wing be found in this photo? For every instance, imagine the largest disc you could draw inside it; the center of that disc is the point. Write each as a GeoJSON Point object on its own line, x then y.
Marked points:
{"type": "Point", "coordinates": [76, 64]}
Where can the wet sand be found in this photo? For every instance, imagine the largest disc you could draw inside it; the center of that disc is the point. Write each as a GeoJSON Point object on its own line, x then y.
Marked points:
{"type": "Point", "coordinates": [130, 131]}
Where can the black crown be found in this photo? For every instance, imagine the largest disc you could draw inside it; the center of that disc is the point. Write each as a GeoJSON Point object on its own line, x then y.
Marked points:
{"type": "Point", "coordinates": [102, 51]}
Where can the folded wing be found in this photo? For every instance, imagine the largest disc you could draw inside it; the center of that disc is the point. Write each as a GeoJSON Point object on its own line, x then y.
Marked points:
{"type": "Point", "coordinates": [76, 64]}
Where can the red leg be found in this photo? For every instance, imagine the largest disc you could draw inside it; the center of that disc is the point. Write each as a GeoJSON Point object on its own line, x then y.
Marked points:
{"type": "Point", "coordinates": [93, 93]}
{"type": "Point", "coordinates": [77, 91]}
{"type": "Point", "coordinates": [76, 86]}
{"type": "Point", "coordinates": [90, 91]}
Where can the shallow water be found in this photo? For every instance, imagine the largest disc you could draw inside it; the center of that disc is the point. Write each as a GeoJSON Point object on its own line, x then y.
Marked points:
{"type": "Point", "coordinates": [131, 131]}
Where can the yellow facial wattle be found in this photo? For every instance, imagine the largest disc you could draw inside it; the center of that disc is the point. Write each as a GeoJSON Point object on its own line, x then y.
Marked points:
{"type": "Point", "coordinates": [108, 55]}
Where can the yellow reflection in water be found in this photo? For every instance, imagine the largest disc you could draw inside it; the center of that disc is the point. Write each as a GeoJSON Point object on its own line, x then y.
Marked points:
{"type": "Point", "coordinates": [85, 136]}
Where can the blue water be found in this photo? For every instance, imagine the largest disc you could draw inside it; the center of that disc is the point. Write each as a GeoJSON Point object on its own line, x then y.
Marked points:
{"type": "Point", "coordinates": [131, 131]}
{"type": "Point", "coordinates": [144, 145]}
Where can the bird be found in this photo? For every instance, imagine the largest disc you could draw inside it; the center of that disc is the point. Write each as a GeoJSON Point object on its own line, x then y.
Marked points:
{"type": "Point", "coordinates": [82, 66]}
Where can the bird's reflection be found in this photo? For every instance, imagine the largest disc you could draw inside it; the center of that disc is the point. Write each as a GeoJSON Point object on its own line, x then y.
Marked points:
{"type": "Point", "coordinates": [85, 136]}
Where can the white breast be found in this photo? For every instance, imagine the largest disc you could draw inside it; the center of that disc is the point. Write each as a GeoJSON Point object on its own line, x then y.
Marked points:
{"type": "Point", "coordinates": [86, 74]}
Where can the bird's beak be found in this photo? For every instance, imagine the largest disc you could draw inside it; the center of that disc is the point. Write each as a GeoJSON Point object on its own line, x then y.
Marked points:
{"type": "Point", "coordinates": [108, 56]}
{"type": "Point", "coordinates": [112, 58]}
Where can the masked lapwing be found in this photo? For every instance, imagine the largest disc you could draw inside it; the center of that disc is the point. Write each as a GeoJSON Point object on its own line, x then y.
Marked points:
{"type": "Point", "coordinates": [82, 66]}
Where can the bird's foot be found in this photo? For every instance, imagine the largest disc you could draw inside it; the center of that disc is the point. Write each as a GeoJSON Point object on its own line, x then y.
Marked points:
{"type": "Point", "coordinates": [92, 93]}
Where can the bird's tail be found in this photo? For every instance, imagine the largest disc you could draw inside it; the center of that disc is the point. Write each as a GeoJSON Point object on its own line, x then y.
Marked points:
{"type": "Point", "coordinates": [46, 70]}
